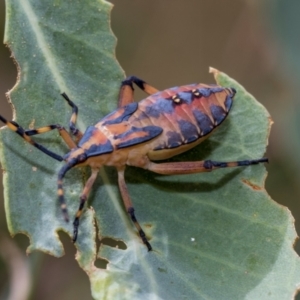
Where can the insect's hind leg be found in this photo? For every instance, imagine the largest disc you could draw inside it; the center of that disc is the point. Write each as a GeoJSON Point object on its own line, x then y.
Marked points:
{"type": "Point", "coordinates": [126, 90]}
{"type": "Point", "coordinates": [129, 207]}
{"type": "Point", "coordinates": [74, 130]}
{"type": "Point", "coordinates": [198, 166]}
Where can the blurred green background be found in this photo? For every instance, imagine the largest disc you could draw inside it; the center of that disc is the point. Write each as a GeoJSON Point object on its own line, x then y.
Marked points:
{"type": "Point", "coordinates": [171, 43]}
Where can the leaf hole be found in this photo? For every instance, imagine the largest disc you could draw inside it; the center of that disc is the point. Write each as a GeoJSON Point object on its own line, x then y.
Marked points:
{"type": "Point", "coordinates": [22, 240]}
{"type": "Point", "coordinates": [101, 263]}
{"type": "Point", "coordinates": [108, 241]}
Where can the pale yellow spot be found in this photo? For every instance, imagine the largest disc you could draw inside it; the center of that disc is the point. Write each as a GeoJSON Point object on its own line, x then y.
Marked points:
{"type": "Point", "coordinates": [73, 118]}
{"type": "Point", "coordinates": [31, 125]}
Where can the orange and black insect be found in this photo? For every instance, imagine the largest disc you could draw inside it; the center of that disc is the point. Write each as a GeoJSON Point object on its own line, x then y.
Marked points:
{"type": "Point", "coordinates": [162, 125]}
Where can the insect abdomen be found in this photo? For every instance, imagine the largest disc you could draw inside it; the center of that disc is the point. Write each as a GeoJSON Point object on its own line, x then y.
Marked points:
{"type": "Point", "coordinates": [187, 116]}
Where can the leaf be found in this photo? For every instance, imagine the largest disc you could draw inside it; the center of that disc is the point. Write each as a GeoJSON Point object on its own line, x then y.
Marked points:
{"type": "Point", "coordinates": [209, 231]}
{"type": "Point", "coordinates": [60, 47]}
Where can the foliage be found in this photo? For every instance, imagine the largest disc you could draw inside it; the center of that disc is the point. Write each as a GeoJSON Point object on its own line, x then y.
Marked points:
{"type": "Point", "coordinates": [209, 231]}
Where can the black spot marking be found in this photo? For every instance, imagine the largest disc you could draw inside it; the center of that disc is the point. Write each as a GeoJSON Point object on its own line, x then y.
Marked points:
{"type": "Point", "coordinates": [152, 132]}
{"type": "Point", "coordinates": [182, 97]}
{"type": "Point", "coordinates": [209, 164]}
{"type": "Point", "coordinates": [203, 122]}
{"type": "Point", "coordinates": [174, 139]}
{"type": "Point", "coordinates": [188, 131]}
{"type": "Point", "coordinates": [196, 93]}
{"type": "Point", "coordinates": [218, 114]}
{"type": "Point", "coordinates": [132, 215]}
{"type": "Point", "coordinates": [176, 99]}
{"type": "Point", "coordinates": [128, 111]}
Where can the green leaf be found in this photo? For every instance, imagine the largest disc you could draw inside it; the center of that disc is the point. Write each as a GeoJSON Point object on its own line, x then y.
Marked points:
{"type": "Point", "coordinates": [59, 46]}
{"type": "Point", "coordinates": [215, 236]}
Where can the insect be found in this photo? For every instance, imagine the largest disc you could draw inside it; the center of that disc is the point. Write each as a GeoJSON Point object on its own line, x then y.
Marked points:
{"type": "Point", "coordinates": [164, 124]}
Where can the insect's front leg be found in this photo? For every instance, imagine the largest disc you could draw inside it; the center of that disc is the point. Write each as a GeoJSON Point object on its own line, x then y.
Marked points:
{"type": "Point", "coordinates": [25, 134]}
{"type": "Point", "coordinates": [126, 90]}
{"type": "Point", "coordinates": [198, 166]}
{"type": "Point", "coordinates": [129, 207]}
{"type": "Point", "coordinates": [62, 131]}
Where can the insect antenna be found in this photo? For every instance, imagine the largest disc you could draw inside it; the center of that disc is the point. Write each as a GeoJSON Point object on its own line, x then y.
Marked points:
{"type": "Point", "coordinates": [61, 174]}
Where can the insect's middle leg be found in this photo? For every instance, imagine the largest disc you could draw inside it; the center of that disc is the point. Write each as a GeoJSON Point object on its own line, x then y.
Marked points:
{"type": "Point", "coordinates": [74, 130]}
{"type": "Point", "coordinates": [198, 166]}
{"type": "Point", "coordinates": [126, 90]}
{"type": "Point", "coordinates": [129, 207]}
{"type": "Point", "coordinates": [83, 198]}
